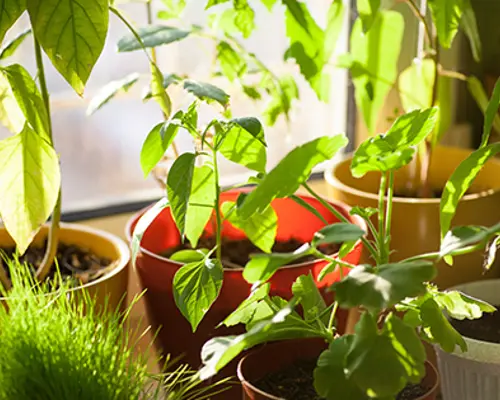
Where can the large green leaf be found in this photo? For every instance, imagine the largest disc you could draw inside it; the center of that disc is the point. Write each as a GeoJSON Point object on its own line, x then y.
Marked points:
{"type": "Point", "coordinates": [307, 46]}
{"type": "Point", "coordinates": [307, 293]}
{"type": "Point", "coordinates": [196, 286]}
{"type": "Point", "coordinates": [462, 237]}
{"type": "Point", "coordinates": [460, 306]}
{"type": "Point", "coordinates": [377, 288]}
{"type": "Point", "coordinates": [10, 48]}
{"type": "Point", "coordinates": [207, 92]}
{"type": "Point", "coordinates": [469, 25]}
{"type": "Point", "coordinates": [240, 144]}
{"type": "Point", "coordinates": [151, 36]}
{"type": "Point", "coordinates": [367, 10]}
{"type": "Point", "coordinates": [156, 144]}
{"type": "Point", "coordinates": [396, 148]}
{"type": "Point", "coordinates": [29, 182]}
{"type": "Point", "coordinates": [201, 203]}
{"type": "Point", "coordinates": [335, 21]}
{"type": "Point", "coordinates": [244, 17]}
{"type": "Point", "coordinates": [446, 15]}
{"type": "Point", "coordinates": [72, 33]}
{"type": "Point", "coordinates": [10, 11]}
{"type": "Point", "coordinates": [28, 98]}
{"type": "Point", "coordinates": [337, 233]}
{"type": "Point", "coordinates": [260, 228]}
{"type": "Point", "coordinates": [110, 90]}
{"type": "Point", "coordinates": [281, 99]}
{"type": "Point", "coordinates": [460, 181]}
{"type": "Point", "coordinates": [382, 362]}
{"type": "Point", "coordinates": [375, 57]}
{"type": "Point", "coordinates": [230, 61]}
{"type": "Point", "coordinates": [11, 115]}
{"type": "Point", "coordinates": [415, 85]}
{"type": "Point", "coordinates": [246, 310]}
{"type": "Point", "coordinates": [179, 184]}
{"type": "Point", "coordinates": [329, 376]}
{"type": "Point", "coordinates": [293, 170]}
{"type": "Point", "coordinates": [491, 113]}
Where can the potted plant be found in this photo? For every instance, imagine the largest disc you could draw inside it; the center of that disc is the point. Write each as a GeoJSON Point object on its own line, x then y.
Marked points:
{"type": "Point", "coordinates": [426, 82]}
{"type": "Point", "coordinates": [192, 247]}
{"type": "Point", "coordinates": [30, 180]}
{"type": "Point", "coordinates": [384, 356]}
{"type": "Point", "coordinates": [54, 349]}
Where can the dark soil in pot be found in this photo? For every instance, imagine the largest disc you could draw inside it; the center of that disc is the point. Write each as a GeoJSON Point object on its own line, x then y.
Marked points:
{"type": "Point", "coordinates": [295, 382]}
{"type": "Point", "coordinates": [77, 264]}
{"type": "Point", "coordinates": [486, 328]}
{"type": "Point", "coordinates": [236, 253]}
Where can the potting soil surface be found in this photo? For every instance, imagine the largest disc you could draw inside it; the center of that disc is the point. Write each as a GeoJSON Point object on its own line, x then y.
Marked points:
{"type": "Point", "coordinates": [77, 264]}
{"type": "Point", "coordinates": [236, 253]}
{"type": "Point", "coordinates": [486, 328]}
{"type": "Point", "coordinates": [296, 382]}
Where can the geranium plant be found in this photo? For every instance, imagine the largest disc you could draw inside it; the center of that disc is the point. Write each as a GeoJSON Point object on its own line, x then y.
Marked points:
{"type": "Point", "coordinates": [399, 307]}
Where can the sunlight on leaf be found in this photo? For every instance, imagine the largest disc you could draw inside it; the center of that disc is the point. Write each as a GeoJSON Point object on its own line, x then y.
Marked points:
{"type": "Point", "coordinates": [11, 11]}
{"type": "Point", "coordinates": [111, 90]}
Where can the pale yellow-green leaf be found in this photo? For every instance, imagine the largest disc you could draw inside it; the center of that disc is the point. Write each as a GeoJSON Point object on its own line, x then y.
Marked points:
{"type": "Point", "coordinates": [11, 115]}
{"type": "Point", "coordinates": [415, 85]}
{"type": "Point", "coordinates": [10, 11]}
{"type": "Point", "coordinates": [72, 33]}
{"type": "Point", "coordinates": [29, 182]}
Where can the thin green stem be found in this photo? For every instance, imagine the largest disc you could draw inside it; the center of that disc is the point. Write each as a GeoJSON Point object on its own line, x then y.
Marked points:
{"type": "Point", "coordinates": [381, 218]}
{"type": "Point", "coordinates": [413, 6]}
{"type": "Point", "coordinates": [339, 215]}
{"type": "Point", "coordinates": [218, 216]}
{"type": "Point", "coordinates": [331, 321]}
{"type": "Point", "coordinates": [436, 256]}
{"type": "Point", "coordinates": [328, 258]}
{"type": "Point", "coordinates": [388, 212]}
{"type": "Point", "coordinates": [53, 237]}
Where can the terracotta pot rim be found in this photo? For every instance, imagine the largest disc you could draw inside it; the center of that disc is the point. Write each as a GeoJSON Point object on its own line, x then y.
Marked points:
{"type": "Point", "coordinates": [332, 180]}
{"type": "Point", "coordinates": [118, 244]}
{"type": "Point", "coordinates": [354, 219]}
{"type": "Point", "coordinates": [242, 379]}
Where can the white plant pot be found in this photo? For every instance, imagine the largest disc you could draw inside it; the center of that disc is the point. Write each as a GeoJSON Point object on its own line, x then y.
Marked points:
{"type": "Point", "coordinates": [475, 374]}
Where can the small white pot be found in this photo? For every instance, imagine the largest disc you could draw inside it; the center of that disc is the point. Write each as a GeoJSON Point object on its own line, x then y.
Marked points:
{"type": "Point", "coordinates": [475, 374]}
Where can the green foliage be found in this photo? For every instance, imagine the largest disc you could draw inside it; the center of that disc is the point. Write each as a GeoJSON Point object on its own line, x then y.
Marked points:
{"type": "Point", "coordinates": [232, 64]}
{"type": "Point", "coordinates": [367, 10]}
{"type": "Point", "coordinates": [469, 25]}
{"type": "Point", "coordinates": [10, 48]}
{"type": "Point", "coordinates": [307, 294]}
{"type": "Point", "coordinates": [29, 180]}
{"type": "Point", "coordinates": [207, 92]}
{"type": "Point", "coordinates": [446, 15]}
{"type": "Point", "coordinates": [173, 9]}
{"type": "Point", "coordinates": [72, 36]}
{"type": "Point", "coordinates": [151, 36]}
{"type": "Point", "coordinates": [246, 310]}
{"type": "Point", "coordinates": [156, 144]}
{"type": "Point", "coordinates": [11, 11]}
{"type": "Point", "coordinates": [337, 233]}
{"type": "Point", "coordinates": [111, 90]}
{"type": "Point", "coordinates": [158, 92]}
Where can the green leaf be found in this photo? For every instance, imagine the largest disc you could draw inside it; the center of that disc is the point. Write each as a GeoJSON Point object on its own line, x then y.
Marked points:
{"type": "Point", "coordinates": [10, 11]}
{"type": "Point", "coordinates": [269, 3]}
{"type": "Point", "coordinates": [246, 310]}
{"type": "Point", "coordinates": [329, 377]}
{"type": "Point", "coordinates": [491, 253]}
{"type": "Point", "coordinates": [156, 144]}
{"type": "Point", "coordinates": [223, 22]}
{"type": "Point", "coordinates": [415, 85]}
{"type": "Point", "coordinates": [219, 351]}
{"type": "Point", "coordinates": [375, 56]}
{"type": "Point", "coordinates": [337, 233]}
{"type": "Point", "coordinates": [469, 25]}
{"type": "Point", "coordinates": [152, 36]}
{"type": "Point", "coordinates": [364, 212]}
{"type": "Point", "coordinates": [397, 348]}
{"type": "Point", "coordinates": [381, 287]}
{"type": "Point", "coordinates": [438, 329]}
{"type": "Point", "coordinates": [158, 92]}
{"type": "Point", "coordinates": [230, 61]}
{"type": "Point", "coordinates": [260, 228]}
{"type": "Point", "coordinates": [238, 144]}
{"type": "Point", "coordinates": [477, 90]}
{"type": "Point", "coordinates": [461, 237]}
{"type": "Point", "coordinates": [293, 170]}
{"type": "Point", "coordinates": [11, 115]}
{"type": "Point", "coordinates": [143, 224]}
{"type": "Point", "coordinates": [491, 113]}
{"type": "Point", "coordinates": [305, 290]}
{"type": "Point", "coordinates": [252, 92]}
{"type": "Point", "coordinates": [281, 100]}
{"type": "Point", "coordinates": [212, 3]}
{"type": "Point", "coordinates": [179, 186]}
{"type": "Point", "coordinates": [72, 35]}
{"type": "Point", "coordinates": [460, 306]}
{"type": "Point", "coordinates": [201, 203]}
{"type": "Point", "coordinates": [174, 9]}
{"type": "Point", "coordinates": [29, 182]}
{"type": "Point", "coordinates": [245, 16]}
{"type": "Point", "coordinates": [335, 20]}
{"type": "Point", "coordinates": [394, 149]}
{"type": "Point", "coordinates": [168, 79]}
{"type": "Point", "coordinates": [188, 256]}
{"type": "Point", "coordinates": [10, 48]}
{"type": "Point", "coordinates": [460, 181]}
{"type": "Point", "coordinates": [207, 92]}
{"type": "Point", "coordinates": [307, 46]}
{"type": "Point", "coordinates": [253, 126]}
{"type": "Point", "coordinates": [367, 10]}
{"type": "Point", "coordinates": [301, 202]}
{"type": "Point", "coordinates": [262, 267]}
{"type": "Point", "coordinates": [110, 90]}
{"type": "Point", "coordinates": [196, 286]}
{"type": "Point", "coordinates": [446, 15]}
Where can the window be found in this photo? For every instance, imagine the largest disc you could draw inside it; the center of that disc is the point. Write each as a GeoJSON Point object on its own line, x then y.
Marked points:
{"type": "Point", "coordinates": [100, 154]}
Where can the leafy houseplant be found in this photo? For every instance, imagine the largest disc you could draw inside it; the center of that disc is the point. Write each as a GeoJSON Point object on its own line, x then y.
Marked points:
{"type": "Point", "coordinates": [54, 349]}
{"type": "Point", "coordinates": [30, 180]}
{"type": "Point", "coordinates": [398, 307]}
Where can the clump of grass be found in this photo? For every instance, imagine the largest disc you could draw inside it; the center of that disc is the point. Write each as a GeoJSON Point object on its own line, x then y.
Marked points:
{"type": "Point", "coordinates": [54, 348]}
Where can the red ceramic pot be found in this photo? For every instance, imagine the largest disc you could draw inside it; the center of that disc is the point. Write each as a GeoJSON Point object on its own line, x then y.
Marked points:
{"type": "Point", "coordinates": [276, 356]}
{"type": "Point", "coordinates": [156, 274]}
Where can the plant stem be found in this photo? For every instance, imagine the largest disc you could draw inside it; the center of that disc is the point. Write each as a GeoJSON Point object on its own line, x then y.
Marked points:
{"type": "Point", "coordinates": [421, 18]}
{"type": "Point", "coordinates": [218, 216]}
{"type": "Point", "coordinates": [339, 215]}
{"type": "Point", "coordinates": [332, 316]}
{"type": "Point", "coordinates": [388, 212]}
{"type": "Point", "coordinates": [53, 238]}
{"type": "Point", "coordinates": [381, 218]}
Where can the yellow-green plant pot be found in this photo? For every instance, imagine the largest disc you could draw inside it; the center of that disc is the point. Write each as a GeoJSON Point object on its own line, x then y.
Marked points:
{"type": "Point", "coordinates": [415, 222]}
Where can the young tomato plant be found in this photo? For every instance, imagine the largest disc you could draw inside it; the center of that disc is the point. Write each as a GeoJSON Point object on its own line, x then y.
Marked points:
{"type": "Point", "coordinates": [399, 308]}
